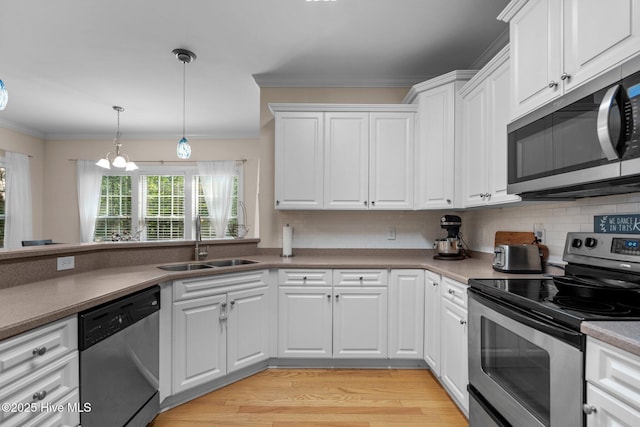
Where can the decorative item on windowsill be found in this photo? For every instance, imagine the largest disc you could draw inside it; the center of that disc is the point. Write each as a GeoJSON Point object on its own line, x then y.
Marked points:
{"type": "Point", "coordinates": [186, 57]}
{"type": "Point", "coordinates": [239, 231]}
{"type": "Point", "coordinates": [118, 160]}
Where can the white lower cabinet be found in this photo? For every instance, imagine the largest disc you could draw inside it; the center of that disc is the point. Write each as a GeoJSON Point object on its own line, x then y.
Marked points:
{"type": "Point", "coordinates": [432, 321]}
{"type": "Point", "coordinates": [344, 318]}
{"type": "Point", "coordinates": [406, 314]}
{"type": "Point", "coordinates": [454, 368]}
{"type": "Point", "coordinates": [39, 376]}
{"type": "Point", "coordinates": [613, 386]}
{"type": "Point", "coordinates": [219, 324]}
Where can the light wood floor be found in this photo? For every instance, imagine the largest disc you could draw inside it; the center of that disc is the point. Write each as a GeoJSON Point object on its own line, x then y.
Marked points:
{"type": "Point", "coordinates": [322, 397]}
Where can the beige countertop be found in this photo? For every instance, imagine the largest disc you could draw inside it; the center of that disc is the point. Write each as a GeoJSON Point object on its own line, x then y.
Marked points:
{"type": "Point", "coordinates": [621, 334]}
{"type": "Point", "coordinates": [31, 305]}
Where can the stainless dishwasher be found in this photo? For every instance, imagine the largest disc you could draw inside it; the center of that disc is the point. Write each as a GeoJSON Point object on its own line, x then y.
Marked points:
{"type": "Point", "coordinates": [119, 361]}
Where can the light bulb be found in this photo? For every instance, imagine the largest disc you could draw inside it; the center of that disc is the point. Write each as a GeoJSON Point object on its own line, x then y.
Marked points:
{"type": "Point", "coordinates": [119, 162]}
{"type": "Point", "coordinates": [184, 149]}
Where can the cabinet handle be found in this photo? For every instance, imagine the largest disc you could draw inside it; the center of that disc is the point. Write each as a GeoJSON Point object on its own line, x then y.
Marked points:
{"type": "Point", "coordinates": [565, 76]}
{"type": "Point", "coordinates": [552, 84]}
{"type": "Point", "coordinates": [366, 203]}
{"type": "Point", "coordinates": [328, 297]}
{"type": "Point", "coordinates": [449, 201]}
{"type": "Point", "coordinates": [337, 297]}
{"type": "Point", "coordinates": [277, 202]}
{"type": "Point", "coordinates": [39, 351]}
{"type": "Point", "coordinates": [451, 292]}
{"type": "Point", "coordinates": [435, 283]}
{"type": "Point", "coordinates": [233, 303]}
{"type": "Point", "coordinates": [361, 278]}
{"type": "Point", "coordinates": [304, 278]}
{"type": "Point", "coordinates": [223, 305]}
{"type": "Point", "coordinates": [40, 395]}
{"type": "Point", "coordinates": [463, 322]}
{"type": "Point", "coordinates": [589, 409]}
{"type": "Point", "coordinates": [373, 203]}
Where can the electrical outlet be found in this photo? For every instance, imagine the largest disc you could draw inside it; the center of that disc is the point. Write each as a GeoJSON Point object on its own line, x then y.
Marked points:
{"type": "Point", "coordinates": [66, 263]}
{"type": "Point", "coordinates": [391, 233]}
{"type": "Point", "coordinates": [539, 232]}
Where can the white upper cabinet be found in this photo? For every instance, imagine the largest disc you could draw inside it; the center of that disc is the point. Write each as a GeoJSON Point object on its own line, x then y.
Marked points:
{"type": "Point", "coordinates": [558, 45]}
{"type": "Point", "coordinates": [299, 165]}
{"type": "Point", "coordinates": [391, 160]}
{"type": "Point", "coordinates": [438, 129]}
{"type": "Point", "coordinates": [344, 157]}
{"type": "Point", "coordinates": [486, 114]}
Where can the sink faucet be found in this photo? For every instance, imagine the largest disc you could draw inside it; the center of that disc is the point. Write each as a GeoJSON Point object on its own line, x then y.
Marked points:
{"type": "Point", "coordinates": [199, 254]}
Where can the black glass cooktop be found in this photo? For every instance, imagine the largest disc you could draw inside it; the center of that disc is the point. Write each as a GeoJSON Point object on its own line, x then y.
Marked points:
{"type": "Point", "coordinates": [567, 306]}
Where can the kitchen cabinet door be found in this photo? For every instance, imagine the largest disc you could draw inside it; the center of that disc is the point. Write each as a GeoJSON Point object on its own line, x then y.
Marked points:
{"type": "Point", "coordinates": [247, 327]}
{"type": "Point", "coordinates": [346, 165]}
{"type": "Point", "coordinates": [536, 55]}
{"type": "Point", "coordinates": [199, 341]}
{"type": "Point", "coordinates": [391, 156]}
{"type": "Point", "coordinates": [475, 153]}
{"type": "Point", "coordinates": [360, 322]}
{"type": "Point", "coordinates": [454, 368]}
{"type": "Point", "coordinates": [608, 411]}
{"type": "Point", "coordinates": [305, 322]}
{"type": "Point", "coordinates": [597, 35]}
{"type": "Point", "coordinates": [406, 314]}
{"type": "Point", "coordinates": [432, 322]}
{"type": "Point", "coordinates": [299, 160]}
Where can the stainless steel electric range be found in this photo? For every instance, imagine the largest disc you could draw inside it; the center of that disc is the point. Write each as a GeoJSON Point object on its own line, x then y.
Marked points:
{"type": "Point", "coordinates": [526, 351]}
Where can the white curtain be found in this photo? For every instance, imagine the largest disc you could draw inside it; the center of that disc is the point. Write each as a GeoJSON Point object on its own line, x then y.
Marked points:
{"type": "Point", "coordinates": [217, 185]}
{"type": "Point", "coordinates": [89, 183]}
{"type": "Point", "coordinates": [18, 208]}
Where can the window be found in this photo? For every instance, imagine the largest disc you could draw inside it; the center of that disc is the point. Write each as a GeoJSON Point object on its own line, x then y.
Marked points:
{"type": "Point", "coordinates": [3, 174]}
{"type": "Point", "coordinates": [162, 202]}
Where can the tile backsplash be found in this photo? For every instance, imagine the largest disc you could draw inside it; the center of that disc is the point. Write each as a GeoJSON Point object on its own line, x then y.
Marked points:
{"type": "Point", "coordinates": [419, 229]}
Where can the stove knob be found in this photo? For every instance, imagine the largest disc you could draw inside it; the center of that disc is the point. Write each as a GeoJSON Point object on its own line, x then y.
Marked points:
{"type": "Point", "coordinates": [576, 243]}
{"type": "Point", "coordinates": [590, 242]}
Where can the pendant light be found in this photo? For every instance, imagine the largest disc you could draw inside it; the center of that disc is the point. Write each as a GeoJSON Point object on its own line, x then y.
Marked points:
{"type": "Point", "coordinates": [119, 161]}
{"type": "Point", "coordinates": [184, 56]}
{"type": "Point", "coordinates": [4, 95]}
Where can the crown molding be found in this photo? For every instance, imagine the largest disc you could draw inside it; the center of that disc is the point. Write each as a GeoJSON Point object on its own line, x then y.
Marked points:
{"type": "Point", "coordinates": [319, 108]}
{"type": "Point", "coordinates": [496, 61]}
{"type": "Point", "coordinates": [510, 11]}
{"type": "Point", "coordinates": [6, 124]}
{"type": "Point", "coordinates": [453, 76]}
{"type": "Point", "coordinates": [494, 48]}
{"type": "Point", "coordinates": [296, 80]}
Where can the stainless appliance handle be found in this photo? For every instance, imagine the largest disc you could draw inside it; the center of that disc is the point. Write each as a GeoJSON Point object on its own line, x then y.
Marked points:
{"type": "Point", "coordinates": [608, 146]}
{"type": "Point", "coordinates": [530, 319]}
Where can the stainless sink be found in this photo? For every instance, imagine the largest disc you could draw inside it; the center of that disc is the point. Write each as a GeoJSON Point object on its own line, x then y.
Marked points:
{"type": "Point", "coordinates": [206, 264]}
{"type": "Point", "coordinates": [230, 262]}
{"type": "Point", "coordinates": [185, 267]}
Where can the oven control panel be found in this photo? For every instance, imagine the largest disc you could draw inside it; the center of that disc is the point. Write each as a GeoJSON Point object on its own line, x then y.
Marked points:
{"type": "Point", "coordinates": [618, 251]}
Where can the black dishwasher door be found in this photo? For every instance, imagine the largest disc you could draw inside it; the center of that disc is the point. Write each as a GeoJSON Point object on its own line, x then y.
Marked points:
{"type": "Point", "coordinates": [119, 362]}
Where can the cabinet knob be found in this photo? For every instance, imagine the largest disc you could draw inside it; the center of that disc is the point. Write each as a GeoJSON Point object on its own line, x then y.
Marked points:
{"type": "Point", "coordinates": [304, 278]}
{"type": "Point", "coordinates": [373, 203]}
{"type": "Point", "coordinates": [361, 278]}
{"type": "Point", "coordinates": [233, 303]}
{"type": "Point", "coordinates": [588, 409]}
{"type": "Point", "coordinates": [449, 201]}
{"type": "Point", "coordinates": [366, 203]}
{"type": "Point", "coordinates": [565, 76]}
{"type": "Point", "coordinates": [39, 351]}
{"type": "Point", "coordinates": [223, 305]}
{"type": "Point", "coordinates": [463, 322]}
{"type": "Point", "coordinates": [552, 84]}
{"type": "Point", "coordinates": [40, 395]}
{"type": "Point", "coordinates": [277, 202]}
{"type": "Point", "coordinates": [328, 297]}
{"type": "Point", "coordinates": [451, 292]}
{"type": "Point", "coordinates": [337, 297]}
{"type": "Point", "coordinates": [435, 284]}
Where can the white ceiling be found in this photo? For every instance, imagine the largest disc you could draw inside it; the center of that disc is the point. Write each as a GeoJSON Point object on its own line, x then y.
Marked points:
{"type": "Point", "coordinates": [67, 62]}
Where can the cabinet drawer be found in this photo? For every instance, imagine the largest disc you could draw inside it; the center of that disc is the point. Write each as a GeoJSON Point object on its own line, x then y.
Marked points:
{"type": "Point", "coordinates": [212, 285]}
{"type": "Point", "coordinates": [614, 370]}
{"type": "Point", "coordinates": [360, 277]}
{"type": "Point", "coordinates": [53, 382]}
{"type": "Point", "coordinates": [455, 292]}
{"type": "Point", "coordinates": [609, 411]}
{"type": "Point", "coordinates": [20, 355]}
{"type": "Point", "coordinates": [297, 277]}
{"type": "Point", "coordinates": [68, 416]}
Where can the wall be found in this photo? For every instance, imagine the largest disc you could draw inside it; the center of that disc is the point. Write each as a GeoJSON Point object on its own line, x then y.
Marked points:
{"type": "Point", "coordinates": [558, 218]}
{"type": "Point", "coordinates": [61, 221]}
{"type": "Point", "coordinates": [16, 142]}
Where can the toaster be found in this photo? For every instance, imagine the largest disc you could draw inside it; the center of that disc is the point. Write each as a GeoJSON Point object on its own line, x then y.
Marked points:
{"type": "Point", "coordinates": [517, 259]}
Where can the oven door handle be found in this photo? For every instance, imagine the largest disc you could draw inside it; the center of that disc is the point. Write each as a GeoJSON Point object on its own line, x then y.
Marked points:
{"type": "Point", "coordinates": [534, 320]}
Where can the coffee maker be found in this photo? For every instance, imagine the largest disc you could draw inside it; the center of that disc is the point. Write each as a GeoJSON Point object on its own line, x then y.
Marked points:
{"type": "Point", "coordinates": [450, 248]}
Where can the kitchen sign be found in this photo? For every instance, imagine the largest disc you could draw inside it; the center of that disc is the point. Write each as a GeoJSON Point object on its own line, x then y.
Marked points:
{"type": "Point", "coordinates": [625, 223]}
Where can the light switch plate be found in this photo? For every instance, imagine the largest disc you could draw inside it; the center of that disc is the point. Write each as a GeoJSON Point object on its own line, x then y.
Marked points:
{"type": "Point", "coordinates": [66, 263]}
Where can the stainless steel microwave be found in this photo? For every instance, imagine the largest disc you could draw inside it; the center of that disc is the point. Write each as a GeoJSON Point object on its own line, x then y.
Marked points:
{"type": "Point", "coordinates": [586, 143]}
